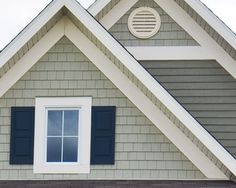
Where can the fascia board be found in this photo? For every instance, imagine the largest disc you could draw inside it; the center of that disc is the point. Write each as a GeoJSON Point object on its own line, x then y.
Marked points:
{"type": "Point", "coordinates": [26, 34]}
{"type": "Point", "coordinates": [97, 6]}
{"type": "Point", "coordinates": [213, 21]}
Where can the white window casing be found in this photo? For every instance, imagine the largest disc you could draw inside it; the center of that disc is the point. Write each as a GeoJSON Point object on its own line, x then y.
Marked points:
{"type": "Point", "coordinates": [40, 141]}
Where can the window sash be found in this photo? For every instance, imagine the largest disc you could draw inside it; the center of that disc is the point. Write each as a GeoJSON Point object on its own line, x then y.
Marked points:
{"type": "Point", "coordinates": [62, 136]}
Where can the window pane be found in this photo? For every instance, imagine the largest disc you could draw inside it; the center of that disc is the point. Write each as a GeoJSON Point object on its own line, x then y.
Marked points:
{"type": "Point", "coordinates": [70, 153]}
{"type": "Point", "coordinates": [71, 122]}
{"type": "Point", "coordinates": [54, 123]}
{"type": "Point", "coordinates": [54, 149]}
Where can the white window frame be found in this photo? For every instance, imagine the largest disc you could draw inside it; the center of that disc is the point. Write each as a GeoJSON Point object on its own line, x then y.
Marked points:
{"type": "Point", "coordinates": [41, 105]}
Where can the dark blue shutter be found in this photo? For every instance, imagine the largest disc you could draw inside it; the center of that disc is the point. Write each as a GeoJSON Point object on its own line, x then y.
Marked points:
{"type": "Point", "coordinates": [103, 135]}
{"type": "Point", "coordinates": [22, 135]}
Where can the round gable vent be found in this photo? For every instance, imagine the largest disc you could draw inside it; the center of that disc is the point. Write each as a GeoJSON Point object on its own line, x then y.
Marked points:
{"type": "Point", "coordinates": [144, 22]}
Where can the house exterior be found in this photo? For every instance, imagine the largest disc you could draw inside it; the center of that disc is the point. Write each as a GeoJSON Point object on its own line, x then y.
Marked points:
{"type": "Point", "coordinates": [137, 93]}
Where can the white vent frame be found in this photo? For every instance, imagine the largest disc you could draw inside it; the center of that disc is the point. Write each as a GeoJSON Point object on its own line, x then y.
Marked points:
{"type": "Point", "coordinates": [144, 32]}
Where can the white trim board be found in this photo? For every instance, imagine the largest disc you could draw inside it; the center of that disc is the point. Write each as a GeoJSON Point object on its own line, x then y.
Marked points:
{"type": "Point", "coordinates": [117, 12]}
{"type": "Point", "coordinates": [97, 6]}
{"type": "Point", "coordinates": [170, 53]}
{"type": "Point", "coordinates": [82, 165]}
{"type": "Point", "coordinates": [200, 35]}
{"type": "Point", "coordinates": [151, 84]}
{"type": "Point", "coordinates": [21, 39]}
{"type": "Point", "coordinates": [213, 21]}
{"type": "Point", "coordinates": [33, 55]}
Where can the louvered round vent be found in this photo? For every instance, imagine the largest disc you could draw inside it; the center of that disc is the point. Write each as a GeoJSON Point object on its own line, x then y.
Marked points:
{"type": "Point", "coordinates": [144, 22]}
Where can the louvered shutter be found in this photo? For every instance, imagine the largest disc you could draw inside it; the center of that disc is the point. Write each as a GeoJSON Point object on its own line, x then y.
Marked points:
{"type": "Point", "coordinates": [22, 135]}
{"type": "Point", "coordinates": [103, 135]}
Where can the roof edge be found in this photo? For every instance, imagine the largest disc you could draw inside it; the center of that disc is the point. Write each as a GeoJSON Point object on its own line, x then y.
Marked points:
{"type": "Point", "coordinates": [214, 21]}
{"type": "Point", "coordinates": [33, 27]}
{"type": "Point", "coordinates": [97, 6]}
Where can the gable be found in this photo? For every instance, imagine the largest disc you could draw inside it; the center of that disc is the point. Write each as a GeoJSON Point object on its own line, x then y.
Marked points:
{"type": "Point", "coordinates": [142, 151]}
{"type": "Point", "coordinates": [212, 45]}
{"type": "Point", "coordinates": [170, 33]}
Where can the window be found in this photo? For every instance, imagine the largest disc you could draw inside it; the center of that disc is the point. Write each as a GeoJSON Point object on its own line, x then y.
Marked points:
{"type": "Point", "coordinates": [62, 135]}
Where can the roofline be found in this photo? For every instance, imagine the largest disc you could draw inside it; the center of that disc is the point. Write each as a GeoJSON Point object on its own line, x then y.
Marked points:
{"type": "Point", "coordinates": [97, 6]}
{"type": "Point", "coordinates": [33, 27]}
{"type": "Point", "coordinates": [214, 21]}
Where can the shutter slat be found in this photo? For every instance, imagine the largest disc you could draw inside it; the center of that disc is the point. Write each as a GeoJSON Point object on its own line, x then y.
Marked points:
{"type": "Point", "coordinates": [103, 135]}
{"type": "Point", "coordinates": [22, 135]}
